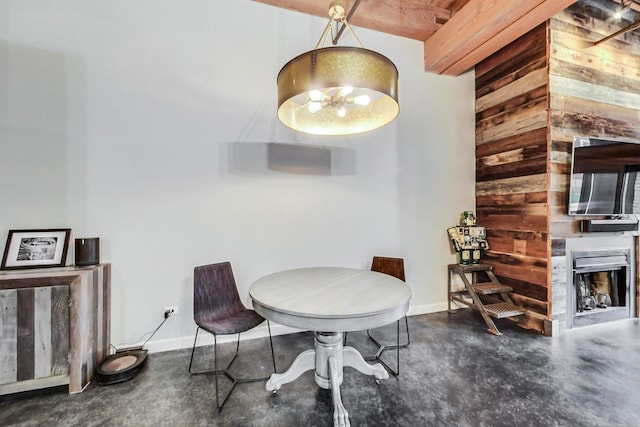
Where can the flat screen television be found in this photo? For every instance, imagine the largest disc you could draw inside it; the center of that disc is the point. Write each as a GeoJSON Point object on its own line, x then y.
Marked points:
{"type": "Point", "coordinates": [604, 177]}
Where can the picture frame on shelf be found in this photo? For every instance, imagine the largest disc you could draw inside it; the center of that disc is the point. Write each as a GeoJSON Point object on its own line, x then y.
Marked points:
{"type": "Point", "coordinates": [38, 248]}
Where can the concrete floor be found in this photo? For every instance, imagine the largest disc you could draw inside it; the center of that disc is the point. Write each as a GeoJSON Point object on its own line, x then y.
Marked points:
{"type": "Point", "coordinates": [453, 374]}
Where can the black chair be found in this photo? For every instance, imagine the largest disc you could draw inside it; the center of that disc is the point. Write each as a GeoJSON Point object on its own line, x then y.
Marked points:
{"type": "Point", "coordinates": [393, 267]}
{"type": "Point", "coordinates": [217, 309]}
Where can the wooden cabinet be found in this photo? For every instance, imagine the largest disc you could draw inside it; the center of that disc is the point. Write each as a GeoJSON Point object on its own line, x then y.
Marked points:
{"type": "Point", "coordinates": [54, 326]}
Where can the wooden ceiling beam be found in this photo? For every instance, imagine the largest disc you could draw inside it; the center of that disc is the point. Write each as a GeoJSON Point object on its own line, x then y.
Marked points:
{"type": "Point", "coordinates": [481, 28]}
{"type": "Point", "coordinates": [413, 19]}
{"type": "Point", "coordinates": [516, 28]}
{"type": "Point", "coordinates": [457, 34]}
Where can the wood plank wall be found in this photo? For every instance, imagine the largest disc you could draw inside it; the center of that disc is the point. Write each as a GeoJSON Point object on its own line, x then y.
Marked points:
{"type": "Point", "coordinates": [595, 92]}
{"type": "Point", "coordinates": [511, 168]}
{"type": "Point", "coordinates": [532, 98]}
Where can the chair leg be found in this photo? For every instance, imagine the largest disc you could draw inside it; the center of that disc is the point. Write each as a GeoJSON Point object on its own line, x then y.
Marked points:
{"type": "Point", "coordinates": [216, 371]}
{"type": "Point", "coordinates": [193, 349]}
{"type": "Point", "coordinates": [382, 347]}
{"type": "Point", "coordinates": [225, 371]}
{"type": "Point", "coordinates": [215, 364]}
{"type": "Point", "coordinates": [390, 347]}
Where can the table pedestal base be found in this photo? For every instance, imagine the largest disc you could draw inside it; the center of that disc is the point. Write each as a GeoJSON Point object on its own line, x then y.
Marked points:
{"type": "Point", "coordinates": [328, 358]}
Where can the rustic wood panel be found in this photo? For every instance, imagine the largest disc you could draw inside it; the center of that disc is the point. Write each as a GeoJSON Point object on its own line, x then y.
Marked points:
{"type": "Point", "coordinates": [588, 26]}
{"type": "Point", "coordinates": [54, 333]}
{"type": "Point", "coordinates": [514, 222]}
{"type": "Point", "coordinates": [602, 58]}
{"type": "Point", "coordinates": [588, 118]}
{"type": "Point", "coordinates": [558, 247]}
{"type": "Point", "coordinates": [519, 268]}
{"type": "Point", "coordinates": [517, 55]}
{"type": "Point", "coordinates": [105, 343]}
{"type": "Point", "coordinates": [530, 87]}
{"type": "Point", "coordinates": [524, 140]}
{"type": "Point", "coordinates": [95, 318]}
{"type": "Point", "coordinates": [636, 280]}
{"type": "Point", "coordinates": [533, 304]}
{"type": "Point", "coordinates": [525, 243]}
{"type": "Point", "coordinates": [79, 327]}
{"type": "Point", "coordinates": [513, 103]}
{"type": "Point", "coordinates": [512, 144]}
{"type": "Point", "coordinates": [559, 288]}
{"type": "Point", "coordinates": [572, 95]}
{"type": "Point", "coordinates": [25, 365]}
{"type": "Point", "coordinates": [558, 202]}
{"type": "Point", "coordinates": [526, 118]}
{"type": "Point", "coordinates": [8, 336]}
{"type": "Point", "coordinates": [32, 345]}
{"type": "Point", "coordinates": [562, 146]}
{"type": "Point", "coordinates": [617, 83]}
{"type": "Point", "coordinates": [60, 333]}
{"type": "Point", "coordinates": [514, 164]}
{"type": "Point", "coordinates": [42, 332]}
{"type": "Point", "coordinates": [534, 321]}
{"type": "Point", "coordinates": [511, 199]}
{"type": "Point", "coordinates": [525, 210]}
{"type": "Point", "coordinates": [537, 92]}
{"type": "Point", "coordinates": [505, 186]}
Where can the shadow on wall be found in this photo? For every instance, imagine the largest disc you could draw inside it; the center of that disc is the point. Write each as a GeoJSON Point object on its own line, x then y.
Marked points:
{"type": "Point", "coordinates": [35, 135]}
{"type": "Point", "coordinates": [267, 157]}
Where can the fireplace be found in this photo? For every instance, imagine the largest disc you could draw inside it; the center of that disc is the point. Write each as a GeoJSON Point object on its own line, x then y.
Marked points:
{"type": "Point", "coordinates": [600, 285]}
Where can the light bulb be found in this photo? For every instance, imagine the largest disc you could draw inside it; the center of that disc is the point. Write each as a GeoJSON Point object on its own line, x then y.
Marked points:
{"type": "Point", "coordinates": [314, 106]}
{"type": "Point", "coordinates": [346, 90]}
{"type": "Point", "coordinates": [617, 14]}
{"type": "Point", "coordinates": [342, 112]}
{"type": "Point", "coordinates": [316, 95]}
{"type": "Point", "coordinates": [362, 100]}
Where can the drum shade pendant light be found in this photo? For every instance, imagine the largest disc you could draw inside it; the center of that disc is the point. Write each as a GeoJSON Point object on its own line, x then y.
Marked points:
{"type": "Point", "coordinates": [338, 90]}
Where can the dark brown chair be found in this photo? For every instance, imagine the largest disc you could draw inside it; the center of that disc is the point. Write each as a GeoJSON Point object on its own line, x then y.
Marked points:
{"type": "Point", "coordinates": [393, 267]}
{"type": "Point", "coordinates": [217, 309]}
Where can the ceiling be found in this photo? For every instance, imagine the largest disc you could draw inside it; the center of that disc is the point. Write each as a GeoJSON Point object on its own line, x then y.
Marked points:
{"type": "Point", "coordinates": [457, 34]}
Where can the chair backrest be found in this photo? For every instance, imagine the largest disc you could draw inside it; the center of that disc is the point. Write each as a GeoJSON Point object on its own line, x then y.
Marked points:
{"type": "Point", "coordinates": [215, 295]}
{"type": "Point", "coordinates": [391, 266]}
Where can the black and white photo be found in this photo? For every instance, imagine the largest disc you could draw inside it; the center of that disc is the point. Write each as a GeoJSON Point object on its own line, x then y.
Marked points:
{"type": "Point", "coordinates": [36, 248]}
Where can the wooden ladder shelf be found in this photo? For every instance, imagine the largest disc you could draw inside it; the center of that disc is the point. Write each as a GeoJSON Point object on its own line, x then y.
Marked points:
{"type": "Point", "coordinates": [495, 302]}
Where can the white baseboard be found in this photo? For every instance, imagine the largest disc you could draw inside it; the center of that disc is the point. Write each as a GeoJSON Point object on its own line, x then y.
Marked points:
{"type": "Point", "coordinates": [261, 331]}
{"type": "Point", "coordinates": [205, 338]}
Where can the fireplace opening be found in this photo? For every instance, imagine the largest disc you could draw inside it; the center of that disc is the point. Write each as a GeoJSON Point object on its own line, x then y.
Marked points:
{"type": "Point", "coordinates": [601, 286]}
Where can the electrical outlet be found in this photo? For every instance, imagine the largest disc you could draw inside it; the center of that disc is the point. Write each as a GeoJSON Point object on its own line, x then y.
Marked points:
{"type": "Point", "coordinates": [170, 311]}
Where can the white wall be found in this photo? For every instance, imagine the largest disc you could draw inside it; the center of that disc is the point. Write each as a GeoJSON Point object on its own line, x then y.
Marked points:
{"type": "Point", "coordinates": [148, 123]}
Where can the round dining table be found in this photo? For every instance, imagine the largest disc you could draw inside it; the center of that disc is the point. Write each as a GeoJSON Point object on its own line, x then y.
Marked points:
{"type": "Point", "coordinates": [330, 301]}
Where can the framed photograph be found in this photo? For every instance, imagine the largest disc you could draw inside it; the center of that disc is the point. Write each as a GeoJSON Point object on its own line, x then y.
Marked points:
{"type": "Point", "coordinates": [36, 248]}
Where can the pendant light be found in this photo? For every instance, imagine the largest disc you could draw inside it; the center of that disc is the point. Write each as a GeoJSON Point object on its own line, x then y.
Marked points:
{"type": "Point", "coordinates": [338, 90]}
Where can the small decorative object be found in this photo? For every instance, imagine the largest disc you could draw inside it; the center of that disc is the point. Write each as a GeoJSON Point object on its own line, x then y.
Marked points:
{"type": "Point", "coordinates": [87, 251]}
{"type": "Point", "coordinates": [468, 239]}
{"type": "Point", "coordinates": [36, 248]}
{"type": "Point", "coordinates": [467, 219]}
